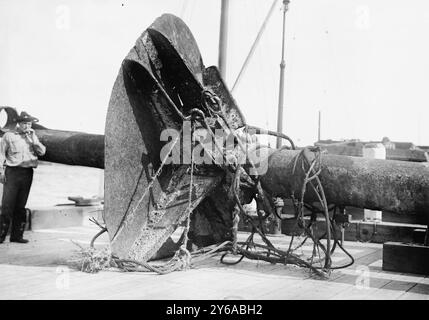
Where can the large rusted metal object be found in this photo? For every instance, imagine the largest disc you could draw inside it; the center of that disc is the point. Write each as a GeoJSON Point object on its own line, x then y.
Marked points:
{"type": "Point", "coordinates": [160, 81]}
{"type": "Point", "coordinates": [396, 186]}
{"type": "Point", "coordinates": [73, 148]}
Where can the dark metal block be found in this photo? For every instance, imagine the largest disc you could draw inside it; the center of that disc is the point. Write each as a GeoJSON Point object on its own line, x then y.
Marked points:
{"type": "Point", "coordinates": [409, 258]}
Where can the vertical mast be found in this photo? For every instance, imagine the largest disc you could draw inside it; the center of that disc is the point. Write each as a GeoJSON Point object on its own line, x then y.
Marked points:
{"type": "Point", "coordinates": [282, 69]}
{"type": "Point", "coordinates": [223, 37]}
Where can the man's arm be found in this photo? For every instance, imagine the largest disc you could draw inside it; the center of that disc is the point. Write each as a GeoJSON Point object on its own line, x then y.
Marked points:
{"type": "Point", "coordinates": [38, 147]}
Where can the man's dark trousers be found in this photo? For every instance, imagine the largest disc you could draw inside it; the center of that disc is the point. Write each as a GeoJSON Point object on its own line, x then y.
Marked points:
{"type": "Point", "coordinates": [15, 194]}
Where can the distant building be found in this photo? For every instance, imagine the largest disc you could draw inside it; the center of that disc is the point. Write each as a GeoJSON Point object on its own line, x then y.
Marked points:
{"type": "Point", "coordinates": [405, 151]}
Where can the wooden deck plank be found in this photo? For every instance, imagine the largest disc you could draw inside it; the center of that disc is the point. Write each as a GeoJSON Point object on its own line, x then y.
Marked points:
{"type": "Point", "coordinates": [78, 285]}
{"type": "Point", "coordinates": [420, 291]}
{"type": "Point", "coordinates": [92, 286]}
{"type": "Point", "coordinates": [394, 288]}
{"type": "Point", "coordinates": [338, 281]}
{"type": "Point", "coordinates": [381, 284]}
{"type": "Point", "coordinates": [181, 285]}
{"type": "Point", "coordinates": [30, 272]}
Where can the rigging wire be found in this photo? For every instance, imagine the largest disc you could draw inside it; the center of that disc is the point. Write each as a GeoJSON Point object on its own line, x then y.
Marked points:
{"type": "Point", "coordinates": [254, 45]}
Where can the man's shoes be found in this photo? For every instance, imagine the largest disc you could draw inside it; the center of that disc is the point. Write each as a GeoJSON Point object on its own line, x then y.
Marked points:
{"type": "Point", "coordinates": [19, 240]}
{"type": "Point", "coordinates": [17, 233]}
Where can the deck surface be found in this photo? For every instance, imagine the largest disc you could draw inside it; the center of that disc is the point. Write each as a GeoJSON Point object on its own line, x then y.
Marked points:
{"type": "Point", "coordinates": [42, 270]}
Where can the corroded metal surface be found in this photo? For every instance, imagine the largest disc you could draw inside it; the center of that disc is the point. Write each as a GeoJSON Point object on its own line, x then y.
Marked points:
{"type": "Point", "coordinates": [214, 82]}
{"type": "Point", "coordinates": [161, 79]}
{"type": "Point", "coordinates": [396, 186]}
{"type": "Point", "coordinates": [73, 148]}
{"type": "Point", "coordinates": [138, 110]}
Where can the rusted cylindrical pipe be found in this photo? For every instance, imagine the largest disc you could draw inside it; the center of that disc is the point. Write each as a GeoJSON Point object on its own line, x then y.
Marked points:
{"type": "Point", "coordinates": [396, 186]}
{"type": "Point", "coordinates": [73, 148]}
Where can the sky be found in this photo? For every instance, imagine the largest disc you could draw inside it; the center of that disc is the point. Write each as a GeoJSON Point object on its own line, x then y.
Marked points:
{"type": "Point", "coordinates": [363, 64]}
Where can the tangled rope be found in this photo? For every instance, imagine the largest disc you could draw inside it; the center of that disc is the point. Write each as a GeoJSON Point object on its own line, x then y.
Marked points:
{"type": "Point", "coordinates": [320, 262]}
